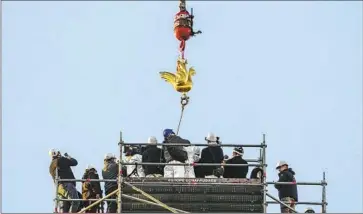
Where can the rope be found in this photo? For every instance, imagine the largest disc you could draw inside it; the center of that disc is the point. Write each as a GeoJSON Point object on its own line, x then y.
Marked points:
{"type": "Point", "coordinates": [183, 101]}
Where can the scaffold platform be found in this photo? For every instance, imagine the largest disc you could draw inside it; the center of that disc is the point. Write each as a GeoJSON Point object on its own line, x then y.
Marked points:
{"type": "Point", "coordinates": [204, 195]}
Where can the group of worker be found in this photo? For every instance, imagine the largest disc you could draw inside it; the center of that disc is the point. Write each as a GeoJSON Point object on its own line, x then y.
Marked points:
{"type": "Point", "coordinates": [173, 154]}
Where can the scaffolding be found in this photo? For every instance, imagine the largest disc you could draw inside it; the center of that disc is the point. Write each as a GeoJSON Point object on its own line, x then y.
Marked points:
{"type": "Point", "coordinates": [260, 162]}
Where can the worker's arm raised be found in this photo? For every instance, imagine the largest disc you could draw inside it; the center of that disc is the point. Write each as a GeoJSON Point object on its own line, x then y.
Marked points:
{"type": "Point", "coordinates": [68, 160]}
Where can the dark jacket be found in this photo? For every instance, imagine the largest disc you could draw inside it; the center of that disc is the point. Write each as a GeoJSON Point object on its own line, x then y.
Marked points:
{"type": "Point", "coordinates": [210, 154]}
{"type": "Point", "coordinates": [91, 189]}
{"type": "Point", "coordinates": [175, 152]}
{"type": "Point", "coordinates": [64, 168]}
{"type": "Point", "coordinates": [110, 171]}
{"type": "Point", "coordinates": [153, 154]}
{"type": "Point", "coordinates": [235, 171]}
{"type": "Point", "coordinates": [287, 175]}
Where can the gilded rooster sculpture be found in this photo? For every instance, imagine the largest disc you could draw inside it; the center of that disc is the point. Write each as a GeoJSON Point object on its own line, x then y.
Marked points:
{"type": "Point", "coordinates": [182, 79]}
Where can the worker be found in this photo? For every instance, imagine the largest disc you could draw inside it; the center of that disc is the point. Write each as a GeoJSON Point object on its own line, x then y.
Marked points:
{"type": "Point", "coordinates": [193, 157]}
{"type": "Point", "coordinates": [174, 154]}
{"type": "Point", "coordinates": [309, 210]}
{"type": "Point", "coordinates": [61, 165]}
{"type": "Point", "coordinates": [236, 171]}
{"type": "Point", "coordinates": [287, 193]}
{"type": "Point", "coordinates": [91, 189]}
{"type": "Point", "coordinates": [257, 173]}
{"type": "Point", "coordinates": [153, 154]}
{"type": "Point", "coordinates": [133, 155]}
{"type": "Point", "coordinates": [110, 171]}
{"type": "Point", "coordinates": [213, 153]}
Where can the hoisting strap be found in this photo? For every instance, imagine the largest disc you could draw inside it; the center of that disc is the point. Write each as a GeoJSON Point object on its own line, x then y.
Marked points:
{"type": "Point", "coordinates": [182, 48]}
{"type": "Point", "coordinates": [183, 101]}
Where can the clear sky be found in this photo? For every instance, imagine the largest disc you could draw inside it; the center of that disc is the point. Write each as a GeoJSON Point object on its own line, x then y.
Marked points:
{"type": "Point", "coordinates": [76, 73]}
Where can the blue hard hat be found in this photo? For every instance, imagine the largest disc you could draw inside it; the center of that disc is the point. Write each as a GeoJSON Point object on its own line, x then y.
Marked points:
{"type": "Point", "coordinates": [168, 132]}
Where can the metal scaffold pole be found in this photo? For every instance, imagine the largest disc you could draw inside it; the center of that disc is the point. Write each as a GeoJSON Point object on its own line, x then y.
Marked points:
{"type": "Point", "coordinates": [263, 163]}
{"type": "Point", "coordinates": [120, 177]}
{"type": "Point", "coordinates": [56, 191]}
{"type": "Point", "coordinates": [324, 203]}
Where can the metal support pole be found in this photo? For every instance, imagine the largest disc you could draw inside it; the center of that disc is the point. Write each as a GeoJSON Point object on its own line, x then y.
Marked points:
{"type": "Point", "coordinates": [196, 144]}
{"type": "Point", "coordinates": [297, 203]}
{"type": "Point", "coordinates": [56, 191]}
{"type": "Point", "coordinates": [297, 183]}
{"type": "Point", "coordinates": [280, 202]}
{"type": "Point", "coordinates": [120, 177]}
{"type": "Point", "coordinates": [190, 164]}
{"type": "Point", "coordinates": [323, 206]}
{"type": "Point", "coordinates": [263, 163]}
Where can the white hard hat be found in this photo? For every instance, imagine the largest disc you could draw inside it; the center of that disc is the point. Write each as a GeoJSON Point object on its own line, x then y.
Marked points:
{"type": "Point", "coordinates": [54, 152]}
{"type": "Point", "coordinates": [211, 137]}
{"type": "Point", "coordinates": [90, 167]}
{"type": "Point", "coordinates": [280, 164]}
{"type": "Point", "coordinates": [152, 140]}
{"type": "Point", "coordinates": [109, 156]}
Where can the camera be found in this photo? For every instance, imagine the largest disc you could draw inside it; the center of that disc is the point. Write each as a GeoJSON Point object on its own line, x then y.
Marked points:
{"type": "Point", "coordinates": [132, 150]}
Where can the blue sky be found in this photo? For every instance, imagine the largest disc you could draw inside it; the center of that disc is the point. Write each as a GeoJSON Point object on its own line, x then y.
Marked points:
{"type": "Point", "coordinates": [76, 73]}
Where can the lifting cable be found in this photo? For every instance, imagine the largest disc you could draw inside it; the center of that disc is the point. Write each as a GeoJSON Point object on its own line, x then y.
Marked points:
{"type": "Point", "coordinates": [184, 102]}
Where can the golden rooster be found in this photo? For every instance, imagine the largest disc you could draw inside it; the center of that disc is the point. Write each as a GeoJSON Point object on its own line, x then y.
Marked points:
{"type": "Point", "coordinates": [182, 79]}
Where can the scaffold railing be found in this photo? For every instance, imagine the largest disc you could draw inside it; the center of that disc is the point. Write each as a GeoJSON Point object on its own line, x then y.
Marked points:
{"type": "Point", "coordinates": [121, 182]}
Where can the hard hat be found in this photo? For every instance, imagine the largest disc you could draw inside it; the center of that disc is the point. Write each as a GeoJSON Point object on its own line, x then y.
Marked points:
{"type": "Point", "coordinates": [309, 210]}
{"type": "Point", "coordinates": [109, 156]}
{"type": "Point", "coordinates": [211, 137]}
{"type": "Point", "coordinates": [54, 152]}
{"type": "Point", "coordinates": [152, 140]}
{"type": "Point", "coordinates": [168, 132]}
{"type": "Point", "coordinates": [280, 164]}
{"type": "Point", "coordinates": [90, 167]}
{"type": "Point", "coordinates": [239, 150]}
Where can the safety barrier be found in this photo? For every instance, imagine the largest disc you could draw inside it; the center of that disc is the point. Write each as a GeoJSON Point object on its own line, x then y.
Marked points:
{"type": "Point", "coordinates": [261, 163]}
